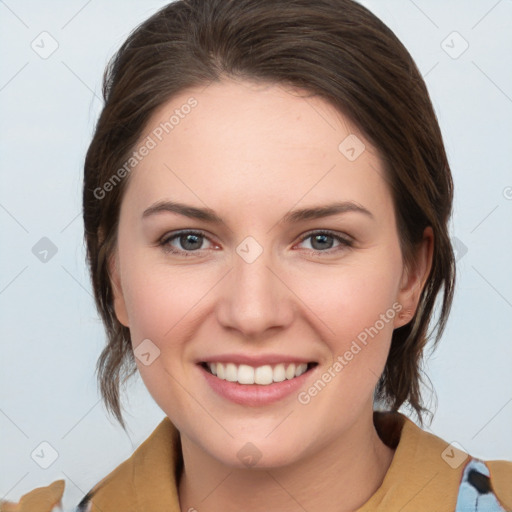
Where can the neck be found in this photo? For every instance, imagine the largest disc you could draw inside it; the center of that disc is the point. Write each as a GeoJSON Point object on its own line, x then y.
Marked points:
{"type": "Point", "coordinates": [340, 476]}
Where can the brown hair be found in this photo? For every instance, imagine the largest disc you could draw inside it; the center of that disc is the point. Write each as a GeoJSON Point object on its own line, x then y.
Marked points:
{"type": "Point", "coordinates": [335, 49]}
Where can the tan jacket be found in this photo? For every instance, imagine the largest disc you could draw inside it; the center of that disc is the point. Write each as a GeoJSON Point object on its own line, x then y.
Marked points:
{"type": "Point", "coordinates": [426, 475]}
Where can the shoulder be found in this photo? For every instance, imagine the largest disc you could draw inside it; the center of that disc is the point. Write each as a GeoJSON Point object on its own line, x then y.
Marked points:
{"type": "Point", "coordinates": [126, 487]}
{"type": "Point", "coordinates": [427, 473]}
{"type": "Point", "coordinates": [114, 489]}
{"type": "Point", "coordinates": [481, 485]}
{"type": "Point", "coordinates": [477, 485]}
{"type": "Point", "coordinates": [146, 481]}
{"type": "Point", "coordinates": [41, 499]}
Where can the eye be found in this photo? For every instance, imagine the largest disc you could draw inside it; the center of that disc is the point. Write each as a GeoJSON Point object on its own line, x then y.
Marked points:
{"type": "Point", "coordinates": [190, 241]}
{"type": "Point", "coordinates": [321, 241]}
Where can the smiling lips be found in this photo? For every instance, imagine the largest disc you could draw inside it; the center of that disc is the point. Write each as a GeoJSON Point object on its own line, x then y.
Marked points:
{"type": "Point", "coordinates": [256, 380]}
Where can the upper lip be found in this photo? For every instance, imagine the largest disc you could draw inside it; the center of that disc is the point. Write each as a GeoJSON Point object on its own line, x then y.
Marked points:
{"type": "Point", "coordinates": [260, 360]}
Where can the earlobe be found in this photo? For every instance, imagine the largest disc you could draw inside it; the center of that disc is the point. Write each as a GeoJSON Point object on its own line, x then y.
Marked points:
{"type": "Point", "coordinates": [414, 277]}
{"type": "Point", "coordinates": [117, 291]}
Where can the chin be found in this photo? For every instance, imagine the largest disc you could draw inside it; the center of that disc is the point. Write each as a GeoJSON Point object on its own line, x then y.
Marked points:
{"type": "Point", "coordinates": [256, 455]}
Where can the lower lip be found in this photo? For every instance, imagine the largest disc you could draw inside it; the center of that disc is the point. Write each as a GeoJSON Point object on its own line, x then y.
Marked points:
{"type": "Point", "coordinates": [255, 394]}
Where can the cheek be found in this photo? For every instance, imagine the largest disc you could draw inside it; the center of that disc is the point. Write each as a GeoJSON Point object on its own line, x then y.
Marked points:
{"type": "Point", "coordinates": [357, 296]}
{"type": "Point", "coordinates": [160, 304]}
{"type": "Point", "coordinates": [159, 299]}
{"type": "Point", "coordinates": [359, 309]}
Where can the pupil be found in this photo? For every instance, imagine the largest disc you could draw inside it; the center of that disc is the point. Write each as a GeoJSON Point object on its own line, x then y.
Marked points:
{"type": "Point", "coordinates": [186, 239]}
{"type": "Point", "coordinates": [322, 237]}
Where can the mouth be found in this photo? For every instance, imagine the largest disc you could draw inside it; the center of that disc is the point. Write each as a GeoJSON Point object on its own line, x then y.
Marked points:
{"type": "Point", "coordinates": [263, 375]}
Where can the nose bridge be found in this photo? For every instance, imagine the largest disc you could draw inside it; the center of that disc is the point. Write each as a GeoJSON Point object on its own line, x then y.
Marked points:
{"type": "Point", "coordinates": [255, 299]}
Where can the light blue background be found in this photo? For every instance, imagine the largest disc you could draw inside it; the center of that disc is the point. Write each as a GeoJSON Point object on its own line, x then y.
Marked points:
{"type": "Point", "coordinates": [51, 335]}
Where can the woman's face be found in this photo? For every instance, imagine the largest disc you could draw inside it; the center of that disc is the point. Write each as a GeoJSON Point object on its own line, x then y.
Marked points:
{"type": "Point", "coordinates": [258, 286]}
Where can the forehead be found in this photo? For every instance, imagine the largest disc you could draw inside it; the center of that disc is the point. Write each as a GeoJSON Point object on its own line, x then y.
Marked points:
{"type": "Point", "coordinates": [233, 116]}
{"type": "Point", "coordinates": [256, 144]}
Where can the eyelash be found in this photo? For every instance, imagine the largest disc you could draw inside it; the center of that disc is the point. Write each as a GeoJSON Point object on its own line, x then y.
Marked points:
{"type": "Point", "coordinates": [164, 242]}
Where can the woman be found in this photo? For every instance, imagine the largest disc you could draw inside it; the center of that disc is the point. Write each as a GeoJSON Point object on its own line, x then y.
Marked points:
{"type": "Point", "coordinates": [266, 200]}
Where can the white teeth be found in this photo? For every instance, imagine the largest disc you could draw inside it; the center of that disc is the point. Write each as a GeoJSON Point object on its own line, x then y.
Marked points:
{"type": "Point", "coordinates": [279, 374]}
{"type": "Point", "coordinates": [262, 375]}
{"type": "Point", "coordinates": [245, 374]}
{"type": "Point", "coordinates": [301, 369]}
{"type": "Point", "coordinates": [231, 372]}
{"type": "Point", "coordinates": [290, 371]}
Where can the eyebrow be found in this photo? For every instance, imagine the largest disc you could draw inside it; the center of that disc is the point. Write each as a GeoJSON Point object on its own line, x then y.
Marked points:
{"type": "Point", "coordinates": [293, 216]}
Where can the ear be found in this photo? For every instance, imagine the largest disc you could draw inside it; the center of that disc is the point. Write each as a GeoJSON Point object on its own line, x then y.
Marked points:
{"type": "Point", "coordinates": [117, 291]}
{"type": "Point", "coordinates": [414, 277]}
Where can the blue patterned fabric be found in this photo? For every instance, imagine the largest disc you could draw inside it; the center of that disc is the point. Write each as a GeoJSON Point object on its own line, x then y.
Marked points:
{"type": "Point", "coordinates": [475, 490]}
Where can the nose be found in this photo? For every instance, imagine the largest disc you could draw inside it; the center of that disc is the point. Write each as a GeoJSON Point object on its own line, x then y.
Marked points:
{"type": "Point", "coordinates": [254, 296]}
